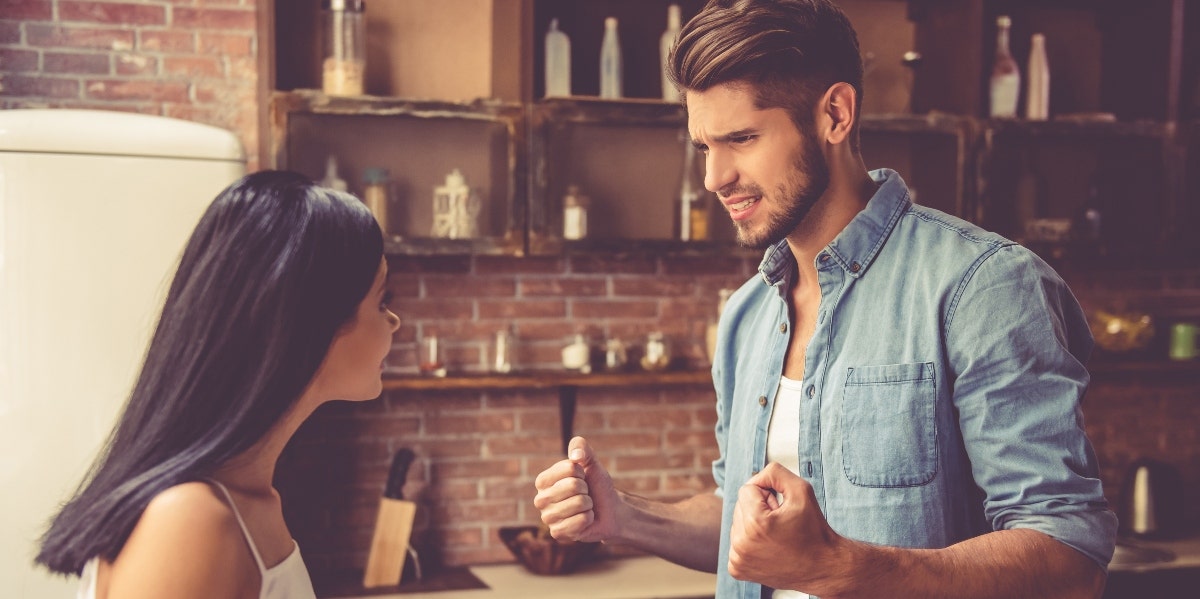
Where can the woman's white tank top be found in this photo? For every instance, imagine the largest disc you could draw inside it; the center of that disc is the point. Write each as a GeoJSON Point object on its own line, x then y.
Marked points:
{"type": "Point", "coordinates": [286, 580]}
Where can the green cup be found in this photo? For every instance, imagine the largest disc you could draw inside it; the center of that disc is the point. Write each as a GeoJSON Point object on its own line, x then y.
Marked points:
{"type": "Point", "coordinates": [1183, 341]}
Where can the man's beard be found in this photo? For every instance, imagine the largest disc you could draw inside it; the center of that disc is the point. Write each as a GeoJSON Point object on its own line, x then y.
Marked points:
{"type": "Point", "coordinates": [800, 196]}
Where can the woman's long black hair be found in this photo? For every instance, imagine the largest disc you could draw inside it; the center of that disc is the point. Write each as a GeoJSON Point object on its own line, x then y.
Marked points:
{"type": "Point", "coordinates": [273, 269]}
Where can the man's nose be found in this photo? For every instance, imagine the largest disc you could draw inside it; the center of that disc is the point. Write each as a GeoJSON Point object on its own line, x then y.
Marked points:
{"type": "Point", "coordinates": [718, 171]}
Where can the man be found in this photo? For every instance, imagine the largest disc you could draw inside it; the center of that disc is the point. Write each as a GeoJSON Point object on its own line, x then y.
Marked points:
{"type": "Point", "coordinates": [898, 391]}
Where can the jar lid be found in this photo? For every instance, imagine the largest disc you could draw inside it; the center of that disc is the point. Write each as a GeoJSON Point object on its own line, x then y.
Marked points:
{"type": "Point", "coordinates": [350, 5]}
{"type": "Point", "coordinates": [375, 174]}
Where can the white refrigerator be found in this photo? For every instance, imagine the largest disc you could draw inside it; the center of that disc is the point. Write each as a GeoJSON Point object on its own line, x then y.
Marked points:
{"type": "Point", "coordinates": [95, 207]}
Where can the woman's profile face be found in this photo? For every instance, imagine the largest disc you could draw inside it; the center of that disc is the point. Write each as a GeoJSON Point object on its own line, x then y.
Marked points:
{"type": "Point", "coordinates": [353, 366]}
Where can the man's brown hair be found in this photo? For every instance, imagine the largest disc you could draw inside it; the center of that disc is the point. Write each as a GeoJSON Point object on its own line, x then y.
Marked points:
{"type": "Point", "coordinates": [790, 51]}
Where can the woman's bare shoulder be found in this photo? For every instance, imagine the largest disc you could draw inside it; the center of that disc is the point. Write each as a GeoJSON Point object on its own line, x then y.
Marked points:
{"type": "Point", "coordinates": [187, 543]}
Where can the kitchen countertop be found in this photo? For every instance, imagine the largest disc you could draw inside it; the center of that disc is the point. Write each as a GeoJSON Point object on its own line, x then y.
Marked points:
{"type": "Point", "coordinates": [644, 577]}
{"type": "Point", "coordinates": [1186, 552]}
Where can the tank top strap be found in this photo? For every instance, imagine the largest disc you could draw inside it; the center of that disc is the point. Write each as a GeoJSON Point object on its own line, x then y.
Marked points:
{"type": "Point", "coordinates": [262, 568]}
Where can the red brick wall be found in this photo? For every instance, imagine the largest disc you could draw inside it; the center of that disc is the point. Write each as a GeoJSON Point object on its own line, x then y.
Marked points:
{"type": "Point", "coordinates": [478, 452]}
{"type": "Point", "coordinates": [187, 59]}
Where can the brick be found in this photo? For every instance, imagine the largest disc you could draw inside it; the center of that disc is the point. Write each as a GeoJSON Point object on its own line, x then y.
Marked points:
{"type": "Point", "coordinates": [486, 422]}
{"type": "Point", "coordinates": [123, 13]}
{"type": "Point", "coordinates": [236, 19]}
{"type": "Point", "coordinates": [431, 264]}
{"type": "Point", "coordinates": [437, 287]}
{"type": "Point", "coordinates": [178, 42]}
{"type": "Point", "coordinates": [521, 445]}
{"type": "Point", "coordinates": [27, 10]}
{"type": "Point", "coordinates": [476, 469]}
{"type": "Point", "coordinates": [446, 309]}
{"type": "Point", "coordinates": [136, 64]}
{"type": "Point", "coordinates": [77, 63]}
{"type": "Point", "coordinates": [522, 308]}
{"type": "Point", "coordinates": [193, 66]}
{"type": "Point", "coordinates": [13, 60]}
{"type": "Point", "coordinates": [10, 32]}
{"type": "Point", "coordinates": [43, 87]}
{"type": "Point", "coordinates": [118, 89]}
{"type": "Point", "coordinates": [614, 264]}
{"type": "Point", "coordinates": [559, 286]}
{"type": "Point", "coordinates": [710, 265]}
{"type": "Point", "coordinates": [496, 265]}
{"type": "Point", "coordinates": [79, 37]}
{"type": "Point", "coordinates": [226, 44]}
{"type": "Point", "coordinates": [660, 286]}
{"type": "Point", "coordinates": [653, 419]}
{"type": "Point", "coordinates": [614, 309]}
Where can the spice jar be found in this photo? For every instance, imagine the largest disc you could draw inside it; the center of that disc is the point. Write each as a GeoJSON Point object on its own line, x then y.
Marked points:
{"type": "Point", "coordinates": [375, 195]}
{"type": "Point", "coordinates": [657, 355]}
{"type": "Point", "coordinates": [575, 206]}
{"type": "Point", "coordinates": [345, 47]}
{"type": "Point", "coordinates": [577, 355]}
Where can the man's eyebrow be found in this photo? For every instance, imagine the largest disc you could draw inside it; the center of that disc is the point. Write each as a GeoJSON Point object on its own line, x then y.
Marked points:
{"type": "Point", "coordinates": [726, 137]}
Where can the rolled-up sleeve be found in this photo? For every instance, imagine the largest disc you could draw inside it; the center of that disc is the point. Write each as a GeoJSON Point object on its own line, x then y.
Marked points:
{"type": "Point", "coordinates": [1019, 341]}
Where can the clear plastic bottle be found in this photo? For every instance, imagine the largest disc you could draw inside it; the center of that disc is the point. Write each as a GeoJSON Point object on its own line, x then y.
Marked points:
{"type": "Point", "coordinates": [610, 61]}
{"type": "Point", "coordinates": [669, 92]}
{"type": "Point", "coordinates": [1005, 83]}
{"type": "Point", "coordinates": [1037, 90]}
{"type": "Point", "coordinates": [345, 47]}
{"type": "Point", "coordinates": [558, 62]}
{"type": "Point", "coordinates": [375, 194]}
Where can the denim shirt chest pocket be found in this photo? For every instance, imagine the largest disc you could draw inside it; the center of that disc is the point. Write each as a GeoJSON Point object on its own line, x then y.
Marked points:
{"type": "Point", "coordinates": [889, 425]}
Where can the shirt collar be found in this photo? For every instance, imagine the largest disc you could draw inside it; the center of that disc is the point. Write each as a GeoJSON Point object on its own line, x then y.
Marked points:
{"type": "Point", "coordinates": [856, 246]}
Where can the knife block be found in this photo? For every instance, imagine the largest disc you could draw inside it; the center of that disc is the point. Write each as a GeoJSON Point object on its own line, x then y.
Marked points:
{"type": "Point", "coordinates": [389, 546]}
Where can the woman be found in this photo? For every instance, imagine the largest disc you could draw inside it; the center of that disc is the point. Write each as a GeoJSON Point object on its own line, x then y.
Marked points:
{"type": "Point", "coordinates": [278, 306]}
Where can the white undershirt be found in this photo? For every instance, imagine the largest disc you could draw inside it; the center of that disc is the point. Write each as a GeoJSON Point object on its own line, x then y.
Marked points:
{"type": "Point", "coordinates": [783, 441]}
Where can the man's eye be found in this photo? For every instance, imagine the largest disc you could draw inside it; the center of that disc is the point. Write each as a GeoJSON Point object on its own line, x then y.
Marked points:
{"type": "Point", "coordinates": [741, 139]}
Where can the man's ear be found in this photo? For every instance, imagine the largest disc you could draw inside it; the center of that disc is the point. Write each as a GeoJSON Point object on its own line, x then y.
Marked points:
{"type": "Point", "coordinates": [839, 109]}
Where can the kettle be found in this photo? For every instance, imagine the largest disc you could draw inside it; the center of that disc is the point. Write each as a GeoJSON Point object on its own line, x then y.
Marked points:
{"type": "Point", "coordinates": [1152, 503]}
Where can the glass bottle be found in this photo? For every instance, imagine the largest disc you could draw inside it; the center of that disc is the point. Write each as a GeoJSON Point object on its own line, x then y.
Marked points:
{"type": "Point", "coordinates": [694, 200]}
{"type": "Point", "coordinates": [575, 206]}
{"type": "Point", "coordinates": [375, 195]}
{"type": "Point", "coordinates": [1037, 90]}
{"type": "Point", "coordinates": [558, 61]}
{"type": "Point", "coordinates": [610, 61]}
{"type": "Point", "coordinates": [1006, 78]}
{"type": "Point", "coordinates": [332, 180]}
{"type": "Point", "coordinates": [502, 352]}
{"type": "Point", "coordinates": [669, 92]}
{"type": "Point", "coordinates": [345, 47]}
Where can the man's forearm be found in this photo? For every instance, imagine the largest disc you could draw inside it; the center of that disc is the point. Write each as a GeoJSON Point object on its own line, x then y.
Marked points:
{"type": "Point", "coordinates": [687, 533]}
{"type": "Point", "coordinates": [1009, 563]}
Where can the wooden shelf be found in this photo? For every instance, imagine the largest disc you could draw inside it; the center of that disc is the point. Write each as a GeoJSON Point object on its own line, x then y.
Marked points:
{"type": "Point", "coordinates": [1111, 367]}
{"type": "Point", "coordinates": [548, 379]}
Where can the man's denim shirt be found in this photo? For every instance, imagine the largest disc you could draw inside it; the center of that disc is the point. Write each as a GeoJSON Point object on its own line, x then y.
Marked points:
{"type": "Point", "coordinates": [942, 387]}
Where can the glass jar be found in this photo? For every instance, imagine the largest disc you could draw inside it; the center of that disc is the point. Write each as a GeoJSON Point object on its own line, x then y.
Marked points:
{"type": "Point", "coordinates": [375, 195]}
{"type": "Point", "coordinates": [657, 355]}
{"type": "Point", "coordinates": [345, 47]}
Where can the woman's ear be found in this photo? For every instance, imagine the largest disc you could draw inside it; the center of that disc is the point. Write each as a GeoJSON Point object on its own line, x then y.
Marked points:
{"type": "Point", "coordinates": [839, 109]}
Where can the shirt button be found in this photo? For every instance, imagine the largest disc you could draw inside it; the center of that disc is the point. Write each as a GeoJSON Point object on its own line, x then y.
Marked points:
{"type": "Point", "coordinates": [855, 267]}
{"type": "Point", "coordinates": [812, 390]}
{"type": "Point", "coordinates": [783, 328]}
{"type": "Point", "coordinates": [762, 400]}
